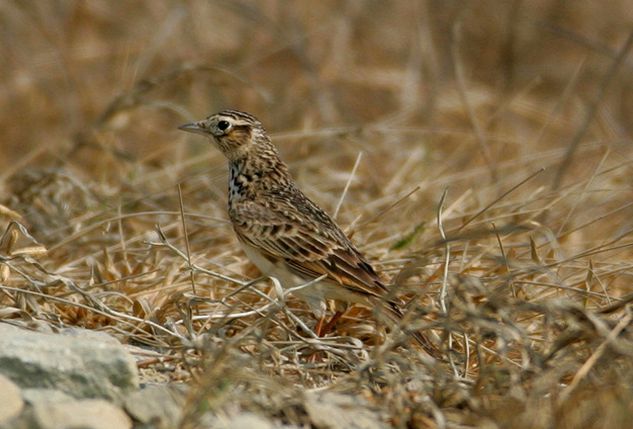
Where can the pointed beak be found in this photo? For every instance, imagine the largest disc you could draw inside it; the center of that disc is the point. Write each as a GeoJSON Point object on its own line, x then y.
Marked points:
{"type": "Point", "coordinates": [193, 127]}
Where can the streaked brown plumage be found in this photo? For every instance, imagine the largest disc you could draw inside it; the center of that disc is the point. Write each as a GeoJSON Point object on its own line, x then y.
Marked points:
{"type": "Point", "coordinates": [284, 233]}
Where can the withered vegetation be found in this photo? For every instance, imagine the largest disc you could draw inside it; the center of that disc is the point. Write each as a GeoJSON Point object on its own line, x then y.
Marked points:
{"type": "Point", "coordinates": [478, 151]}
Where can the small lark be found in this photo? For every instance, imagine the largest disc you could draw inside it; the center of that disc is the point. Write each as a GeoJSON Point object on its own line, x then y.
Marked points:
{"type": "Point", "coordinates": [284, 233]}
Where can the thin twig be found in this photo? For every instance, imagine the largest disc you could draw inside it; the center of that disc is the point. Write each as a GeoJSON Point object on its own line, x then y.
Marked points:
{"type": "Point", "coordinates": [502, 196]}
{"type": "Point", "coordinates": [593, 359]}
{"type": "Point", "coordinates": [460, 78]}
{"type": "Point", "coordinates": [349, 181]}
{"type": "Point", "coordinates": [186, 235]}
{"type": "Point", "coordinates": [591, 112]}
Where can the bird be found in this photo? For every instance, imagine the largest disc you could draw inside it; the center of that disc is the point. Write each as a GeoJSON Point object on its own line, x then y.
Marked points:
{"type": "Point", "coordinates": [283, 232]}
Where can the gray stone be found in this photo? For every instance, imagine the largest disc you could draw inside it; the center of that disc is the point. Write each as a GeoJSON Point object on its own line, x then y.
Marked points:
{"type": "Point", "coordinates": [159, 405]}
{"type": "Point", "coordinates": [329, 410]}
{"type": "Point", "coordinates": [87, 334]}
{"type": "Point", "coordinates": [36, 395]}
{"type": "Point", "coordinates": [241, 421]}
{"type": "Point", "coordinates": [84, 414]}
{"type": "Point", "coordinates": [81, 366]}
{"type": "Point", "coordinates": [11, 402]}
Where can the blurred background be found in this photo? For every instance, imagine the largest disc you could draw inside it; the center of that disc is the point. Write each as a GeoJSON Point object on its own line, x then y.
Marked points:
{"type": "Point", "coordinates": [470, 96]}
{"type": "Point", "coordinates": [521, 110]}
{"type": "Point", "coordinates": [88, 80]}
{"type": "Point", "coordinates": [454, 90]}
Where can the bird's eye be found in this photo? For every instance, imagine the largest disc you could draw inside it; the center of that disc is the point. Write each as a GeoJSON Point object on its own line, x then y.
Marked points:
{"type": "Point", "coordinates": [223, 125]}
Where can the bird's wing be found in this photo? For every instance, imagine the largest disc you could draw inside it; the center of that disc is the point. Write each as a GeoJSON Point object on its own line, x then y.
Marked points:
{"type": "Point", "coordinates": [311, 244]}
{"type": "Point", "coordinates": [308, 240]}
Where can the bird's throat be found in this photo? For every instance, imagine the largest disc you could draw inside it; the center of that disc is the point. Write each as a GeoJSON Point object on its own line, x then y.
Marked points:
{"type": "Point", "coordinates": [247, 177]}
{"type": "Point", "coordinates": [240, 180]}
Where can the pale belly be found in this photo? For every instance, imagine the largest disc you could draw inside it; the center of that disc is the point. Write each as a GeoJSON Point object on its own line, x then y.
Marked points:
{"type": "Point", "coordinates": [314, 295]}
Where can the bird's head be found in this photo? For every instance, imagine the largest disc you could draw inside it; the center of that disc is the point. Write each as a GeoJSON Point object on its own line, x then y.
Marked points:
{"type": "Point", "coordinates": [235, 133]}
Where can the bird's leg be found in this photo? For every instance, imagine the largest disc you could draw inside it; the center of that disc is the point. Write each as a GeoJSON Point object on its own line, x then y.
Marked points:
{"type": "Point", "coordinates": [329, 327]}
{"type": "Point", "coordinates": [323, 327]}
{"type": "Point", "coordinates": [319, 326]}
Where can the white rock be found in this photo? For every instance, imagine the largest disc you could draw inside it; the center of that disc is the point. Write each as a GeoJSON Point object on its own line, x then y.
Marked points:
{"type": "Point", "coordinates": [241, 421]}
{"type": "Point", "coordinates": [11, 402]}
{"type": "Point", "coordinates": [329, 410]}
{"type": "Point", "coordinates": [84, 414]}
{"type": "Point", "coordinates": [35, 395]}
{"type": "Point", "coordinates": [159, 405]}
{"type": "Point", "coordinates": [81, 366]}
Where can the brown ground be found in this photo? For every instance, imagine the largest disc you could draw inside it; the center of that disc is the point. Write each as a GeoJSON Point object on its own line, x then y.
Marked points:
{"type": "Point", "coordinates": [521, 112]}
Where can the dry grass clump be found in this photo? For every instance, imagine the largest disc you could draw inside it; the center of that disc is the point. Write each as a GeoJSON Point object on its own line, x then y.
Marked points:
{"type": "Point", "coordinates": [436, 132]}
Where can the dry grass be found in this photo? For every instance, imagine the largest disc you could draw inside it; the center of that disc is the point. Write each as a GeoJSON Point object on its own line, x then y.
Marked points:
{"type": "Point", "coordinates": [493, 148]}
